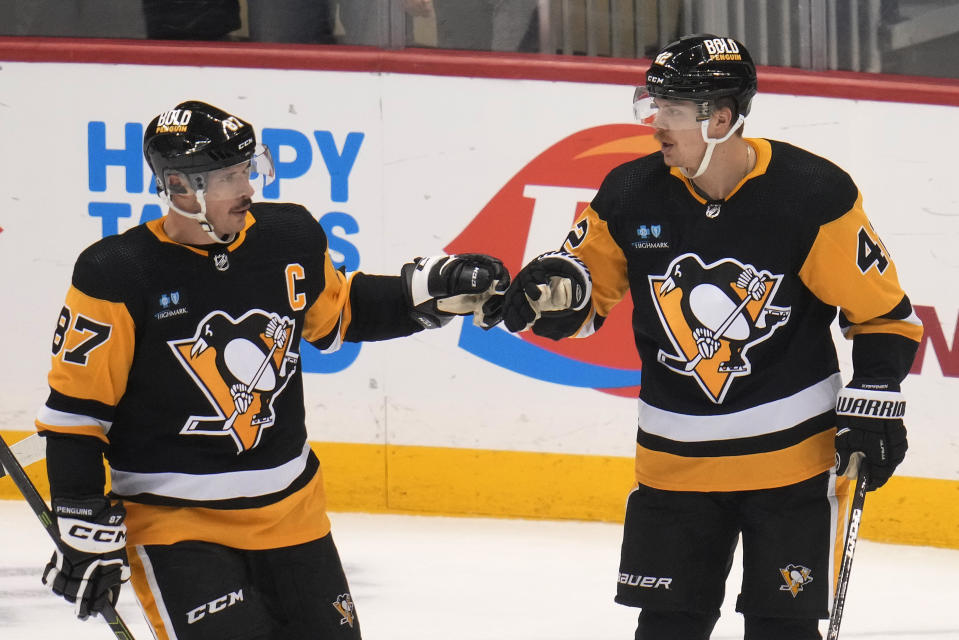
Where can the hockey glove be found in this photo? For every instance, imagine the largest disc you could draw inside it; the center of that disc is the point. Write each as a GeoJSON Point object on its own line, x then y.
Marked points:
{"type": "Point", "coordinates": [91, 562]}
{"type": "Point", "coordinates": [440, 287]}
{"type": "Point", "coordinates": [869, 430]}
{"type": "Point", "coordinates": [551, 294]}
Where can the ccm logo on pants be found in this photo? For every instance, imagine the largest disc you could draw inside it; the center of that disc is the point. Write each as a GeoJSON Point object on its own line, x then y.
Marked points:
{"type": "Point", "coordinates": [214, 606]}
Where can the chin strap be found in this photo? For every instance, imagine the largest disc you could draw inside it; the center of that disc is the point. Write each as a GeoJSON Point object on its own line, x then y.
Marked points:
{"type": "Point", "coordinates": [711, 146]}
{"type": "Point", "coordinates": [199, 216]}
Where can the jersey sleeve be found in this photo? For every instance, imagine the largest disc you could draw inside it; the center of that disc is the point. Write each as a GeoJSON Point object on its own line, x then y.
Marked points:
{"type": "Point", "coordinates": [849, 267]}
{"type": "Point", "coordinates": [357, 308]}
{"type": "Point", "coordinates": [590, 240]}
{"type": "Point", "coordinates": [91, 355]}
{"type": "Point", "coordinates": [330, 312]}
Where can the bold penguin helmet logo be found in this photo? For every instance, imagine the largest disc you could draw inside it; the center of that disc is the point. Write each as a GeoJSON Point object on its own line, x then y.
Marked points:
{"type": "Point", "coordinates": [195, 138]}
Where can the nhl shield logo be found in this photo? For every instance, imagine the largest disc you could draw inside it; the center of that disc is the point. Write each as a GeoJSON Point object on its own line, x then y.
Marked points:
{"type": "Point", "coordinates": [713, 314]}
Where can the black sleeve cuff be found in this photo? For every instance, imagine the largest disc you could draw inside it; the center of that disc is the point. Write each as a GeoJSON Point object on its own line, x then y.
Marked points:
{"type": "Point", "coordinates": [75, 465]}
{"type": "Point", "coordinates": [883, 356]}
{"type": "Point", "coordinates": [379, 310]}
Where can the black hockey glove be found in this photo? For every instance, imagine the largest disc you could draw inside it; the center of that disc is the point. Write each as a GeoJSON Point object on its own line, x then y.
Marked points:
{"type": "Point", "coordinates": [551, 294]}
{"type": "Point", "coordinates": [92, 561]}
{"type": "Point", "coordinates": [440, 287]}
{"type": "Point", "coordinates": [869, 430]}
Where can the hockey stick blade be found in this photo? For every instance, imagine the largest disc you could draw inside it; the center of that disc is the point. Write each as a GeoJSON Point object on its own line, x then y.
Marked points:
{"type": "Point", "coordinates": [29, 450]}
{"type": "Point", "coordinates": [845, 567]}
{"type": "Point", "coordinates": [9, 461]}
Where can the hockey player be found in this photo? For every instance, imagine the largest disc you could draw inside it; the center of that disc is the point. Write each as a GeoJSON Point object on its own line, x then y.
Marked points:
{"type": "Point", "coordinates": [737, 253]}
{"type": "Point", "coordinates": [176, 357]}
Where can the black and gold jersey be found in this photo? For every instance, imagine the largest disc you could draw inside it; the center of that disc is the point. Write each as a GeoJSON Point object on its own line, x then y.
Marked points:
{"type": "Point", "coordinates": [732, 306]}
{"type": "Point", "coordinates": [184, 362]}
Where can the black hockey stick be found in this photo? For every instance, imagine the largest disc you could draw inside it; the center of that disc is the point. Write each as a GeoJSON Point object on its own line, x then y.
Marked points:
{"type": "Point", "coordinates": [845, 567]}
{"type": "Point", "coordinates": [43, 513]}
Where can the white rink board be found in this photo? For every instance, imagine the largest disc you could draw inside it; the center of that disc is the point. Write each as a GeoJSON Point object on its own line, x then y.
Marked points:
{"type": "Point", "coordinates": [435, 150]}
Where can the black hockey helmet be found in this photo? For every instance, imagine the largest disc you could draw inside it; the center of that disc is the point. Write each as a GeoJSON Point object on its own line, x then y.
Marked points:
{"type": "Point", "coordinates": [194, 138]}
{"type": "Point", "coordinates": [703, 67]}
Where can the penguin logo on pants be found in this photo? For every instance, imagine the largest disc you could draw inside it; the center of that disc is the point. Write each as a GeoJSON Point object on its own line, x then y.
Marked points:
{"type": "Point", "coordinates": [241, 366]}
{"type": "Point", "coordinates": [713, 314]}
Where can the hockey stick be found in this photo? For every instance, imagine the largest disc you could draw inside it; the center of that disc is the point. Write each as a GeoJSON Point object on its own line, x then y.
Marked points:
{"type": "Point", "coordinates": [256, 379]}
{"type": "Point", "coordinates": [677, 364]}
{"type": "Point", "coordinates": [42, 511]}
{"type": "Point", "coordinates": [29, 450]}
{"type": "Point", "coordinates": [845, 567]}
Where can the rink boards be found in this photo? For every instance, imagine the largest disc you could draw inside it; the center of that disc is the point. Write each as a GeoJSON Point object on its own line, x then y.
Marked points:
{"type": "Point", "coordinates": [398, 162]}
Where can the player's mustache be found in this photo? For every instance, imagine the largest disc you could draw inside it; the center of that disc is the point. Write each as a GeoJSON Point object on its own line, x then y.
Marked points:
{"type": "Point", "coordinates": [660, 138]}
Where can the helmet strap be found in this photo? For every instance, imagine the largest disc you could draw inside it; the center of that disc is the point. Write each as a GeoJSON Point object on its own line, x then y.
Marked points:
{"type": "Point", "coordinates": [711, 146]}
{"type": "Point", "coordinates": [199, 216]}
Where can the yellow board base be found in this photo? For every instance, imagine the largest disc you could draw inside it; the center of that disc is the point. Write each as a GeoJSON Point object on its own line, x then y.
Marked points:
{"type": "Point", "coordinates": [517, 484]}
{"type": "Point", "coordinates": [37, 472]}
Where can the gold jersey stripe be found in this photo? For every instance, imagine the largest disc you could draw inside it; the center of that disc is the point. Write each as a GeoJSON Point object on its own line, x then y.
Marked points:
{"type": "Point", "coordinates": [911, 330]}
{"type": "Point", "coordinates": [156, 227]}
{"type": "Point", "coordinates": [763, 155]}
{"type": "Point", "coordinates": [298, 518]}
{"type": "Point", "coordinates": [672, 472]}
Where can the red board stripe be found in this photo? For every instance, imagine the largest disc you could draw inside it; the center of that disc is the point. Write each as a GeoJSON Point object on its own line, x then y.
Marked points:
{"type": "Point", "coordinates": [255, 55]}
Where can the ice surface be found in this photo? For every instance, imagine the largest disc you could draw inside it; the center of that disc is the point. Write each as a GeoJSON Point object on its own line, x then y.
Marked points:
{"type": "Point", "coordinates": [416, 577]}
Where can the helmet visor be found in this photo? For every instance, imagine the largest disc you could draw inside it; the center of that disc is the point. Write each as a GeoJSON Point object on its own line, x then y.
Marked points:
{"type": "Point", "coordinates": [235, 181]}
{"type": "Point", "coordinates": [263, 171]}
{"type": "Point", "coordinates": [663, 113]}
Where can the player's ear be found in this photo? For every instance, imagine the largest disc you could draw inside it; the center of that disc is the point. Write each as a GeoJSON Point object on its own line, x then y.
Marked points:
{"type": "Point", "coordinates": [721, 119]}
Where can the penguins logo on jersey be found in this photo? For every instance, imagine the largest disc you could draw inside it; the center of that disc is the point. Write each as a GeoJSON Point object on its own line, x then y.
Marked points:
{"type": "Point", "coordinates": [241, 366]}
{"type": "Point", "coordinates": [713, 314]}
{"type": "Point", "coordinates": [796, 576]}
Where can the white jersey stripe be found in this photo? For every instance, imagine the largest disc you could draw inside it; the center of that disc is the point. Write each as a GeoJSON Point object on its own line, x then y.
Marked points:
{"type": "Point", "coordinates": [214, 486]}
{"type": "Point", "coordinates": [771, 417]}
{"type": "Point", "coordinates": [55, 418]}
